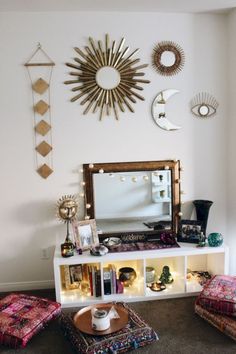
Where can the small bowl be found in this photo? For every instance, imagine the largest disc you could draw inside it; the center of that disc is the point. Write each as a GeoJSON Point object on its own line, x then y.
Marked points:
{"type": "Point", "coordinates": [98, 250]}
{"type": "Point", "coordinates": [127, 275]}
{"type": "Point", "coordinates": [112, 242]}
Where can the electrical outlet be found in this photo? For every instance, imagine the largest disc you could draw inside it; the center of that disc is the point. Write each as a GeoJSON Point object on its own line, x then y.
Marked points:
{"type": "Point", "coordinates": [44, 253]}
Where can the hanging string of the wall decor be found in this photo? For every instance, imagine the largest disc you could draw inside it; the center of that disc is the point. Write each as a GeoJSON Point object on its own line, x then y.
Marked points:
{"type": "Point", "coordinates": [40, 74]}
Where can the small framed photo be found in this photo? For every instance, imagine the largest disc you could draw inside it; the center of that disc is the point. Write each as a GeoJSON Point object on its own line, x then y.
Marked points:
{"type": "Point", "coordinates": [85, 233]}
{"type": "Point", "coordinates": [190, 231]}
{"type": "Point", "coordinates": [76, 274]}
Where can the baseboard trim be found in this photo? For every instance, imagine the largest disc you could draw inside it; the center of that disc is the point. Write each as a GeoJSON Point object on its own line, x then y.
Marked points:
{"type": "Point", "coordinates": [27, 285]}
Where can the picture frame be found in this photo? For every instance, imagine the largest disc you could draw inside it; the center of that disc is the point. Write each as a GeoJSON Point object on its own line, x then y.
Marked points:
{"type": "Point", "coordinates": [85, 233]}
{"type": "Point", "coordinates": [189, 231]}
{"type": "Point", "coordinates": [76, 273]}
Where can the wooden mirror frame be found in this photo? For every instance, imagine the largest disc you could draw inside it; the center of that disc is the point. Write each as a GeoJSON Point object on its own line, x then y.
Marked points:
{"type": "Point", "coordinates": [172, 165]}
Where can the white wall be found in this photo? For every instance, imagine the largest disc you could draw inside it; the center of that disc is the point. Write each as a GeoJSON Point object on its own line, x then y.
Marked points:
{"type": "Point", "coordinates": [28, 220]}
{"type": "Point", "coordinates": [231, 167]}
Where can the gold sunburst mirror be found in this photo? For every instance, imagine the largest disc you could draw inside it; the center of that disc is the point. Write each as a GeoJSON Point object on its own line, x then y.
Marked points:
{"type": "Point", "coordinates": [108, 79]}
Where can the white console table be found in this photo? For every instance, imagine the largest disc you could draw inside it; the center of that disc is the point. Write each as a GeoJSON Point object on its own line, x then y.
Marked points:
{"type": "Point", "coordinates": [215, 260]}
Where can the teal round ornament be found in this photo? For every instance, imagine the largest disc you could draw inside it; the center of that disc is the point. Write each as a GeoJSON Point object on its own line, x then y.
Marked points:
{"type": "Point", "coordinates": [215, 239]}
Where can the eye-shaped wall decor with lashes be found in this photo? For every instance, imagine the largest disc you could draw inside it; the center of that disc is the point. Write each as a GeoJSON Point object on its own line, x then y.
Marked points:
{"type": "Point", "coordinates": [204, 105]}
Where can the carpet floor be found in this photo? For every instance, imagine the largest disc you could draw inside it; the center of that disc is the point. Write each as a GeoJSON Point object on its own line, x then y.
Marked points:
{"type": "Point", "coordinates": [180, 331]}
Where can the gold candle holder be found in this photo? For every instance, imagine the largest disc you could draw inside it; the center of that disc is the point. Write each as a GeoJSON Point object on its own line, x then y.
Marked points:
{"type": "Point", "coordinates": [67, 249]}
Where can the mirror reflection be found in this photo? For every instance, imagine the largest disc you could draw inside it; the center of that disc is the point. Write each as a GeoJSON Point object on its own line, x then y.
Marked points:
{"type": "Point", "coordinates": [167, 58]}
{"type": "Point", "coordinates": [133, 196]}
{"type": "Point", "coordinates": [130, 201]}
{"type": "Point", "coordinates": [159, 110]}
{"type": "Point", "coordinates": [108, 77]}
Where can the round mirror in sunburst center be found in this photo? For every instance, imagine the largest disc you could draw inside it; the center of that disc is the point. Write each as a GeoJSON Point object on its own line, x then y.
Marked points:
{"type": "Point", "coordinates": [108, 77]}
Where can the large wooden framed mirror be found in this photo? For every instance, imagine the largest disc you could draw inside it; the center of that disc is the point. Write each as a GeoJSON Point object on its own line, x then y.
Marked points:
{"type": "Point", "coordinates": [133, 197]}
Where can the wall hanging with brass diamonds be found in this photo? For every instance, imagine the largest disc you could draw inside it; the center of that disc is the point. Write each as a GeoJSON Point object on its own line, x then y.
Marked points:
{"type": "Point", "coordinates": [168, 58]}
{"type": "Point", "coordinates": [108, 79]}
{"type": "Point", "coordinates": [40, 73]}
{"type": "Point", "coordinates": [204, 105]}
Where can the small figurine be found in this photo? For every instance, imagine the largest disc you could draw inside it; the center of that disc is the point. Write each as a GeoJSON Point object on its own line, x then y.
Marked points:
{"type": "Point", "coordinates": [202, 240]}
{"type": "Point", "coordinates": [166, 276]}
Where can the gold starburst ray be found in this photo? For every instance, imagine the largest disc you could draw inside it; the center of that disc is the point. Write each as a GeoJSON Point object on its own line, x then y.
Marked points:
{"type": "Point", "coordinates": [120, 57]}
{"type": "Point", "coordinates": [68, 82]}
{"type": "Point", "coordinates": [96, 94]}
{"type": "Point", "coordinates": [117, 52]}
{"type": "Point", "coordinates": [122, 71]}
{"type": "Point", "coordinates": [83, 87]}
{"type": "Point", "coordinates": [124, 92]}
{"type": "Point", "coordinates": [127, 59]}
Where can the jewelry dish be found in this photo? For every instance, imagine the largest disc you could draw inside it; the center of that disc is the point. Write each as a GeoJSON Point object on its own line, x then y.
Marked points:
{"type": "Point", "coordinates": [112, 242]}
{"type": "Point", "coordinates": [158, 286]}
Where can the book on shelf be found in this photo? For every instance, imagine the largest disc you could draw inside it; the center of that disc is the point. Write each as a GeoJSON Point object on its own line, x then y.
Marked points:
{"type": "Point", "coordinates": [98, 287]}
{"type": "Point", "coordinates": [95, 280]}
{"type": "Point", "coordinates": [107, 281]}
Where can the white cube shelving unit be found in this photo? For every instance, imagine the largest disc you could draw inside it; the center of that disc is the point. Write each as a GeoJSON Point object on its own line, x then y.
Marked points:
{"type": "Point", "coordinates": [215, 260]}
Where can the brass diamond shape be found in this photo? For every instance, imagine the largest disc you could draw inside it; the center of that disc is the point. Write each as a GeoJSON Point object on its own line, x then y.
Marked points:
{"type": "Point", "coordinates": [43, 148]}
{"type": "Point", "coordinates": [44, 171]}
{"type": "Point", "coordinates": [42, 127]}
{"type": "Point", "coordinates": [40, 86]}
{"type": "Point", "coordinates": [41, 107]}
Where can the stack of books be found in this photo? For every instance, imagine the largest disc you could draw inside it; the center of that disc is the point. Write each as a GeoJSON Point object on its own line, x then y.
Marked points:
{"type": "Point", "coordinates": [111, 284]}
{"type": "Point", "coordinates": [74, 274]}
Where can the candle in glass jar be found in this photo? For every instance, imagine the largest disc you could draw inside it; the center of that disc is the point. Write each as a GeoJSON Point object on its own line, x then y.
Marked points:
{"type": "Point", "coordinates": [67, 249]}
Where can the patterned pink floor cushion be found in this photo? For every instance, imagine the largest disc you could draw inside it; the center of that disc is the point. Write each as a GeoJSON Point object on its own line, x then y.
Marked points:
{"type": "Point", "coordinates": [219, 295]}
{"type": "Point", "coordinates": [22, 316]}
{"type": "Point", "coordinates": [137, 333]}
{"type": "Point", "coordinates": [225, 324]}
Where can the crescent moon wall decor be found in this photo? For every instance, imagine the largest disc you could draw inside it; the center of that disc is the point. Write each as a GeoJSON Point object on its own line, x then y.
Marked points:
{"type": "Point", "coordinates": [108, 79]}
{"type": "Point", "coordinates": [204, 105]}
{"type": "Point", "coordinates": [159, 110]}
{"type": "Point", "coordinates": [168, 58]}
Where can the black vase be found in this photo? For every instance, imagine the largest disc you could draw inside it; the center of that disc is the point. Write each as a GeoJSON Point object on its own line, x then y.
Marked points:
{"type": "Point", "coordinates": [202, 211]}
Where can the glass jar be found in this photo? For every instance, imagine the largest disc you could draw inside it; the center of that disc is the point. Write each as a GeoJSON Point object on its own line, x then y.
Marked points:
{"type": "Point", "coordinates": [215, 239]}
{"type": "Point", "coordinates": [150, 275]}
{"type": "Point", "coordinates": [67, 249]}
